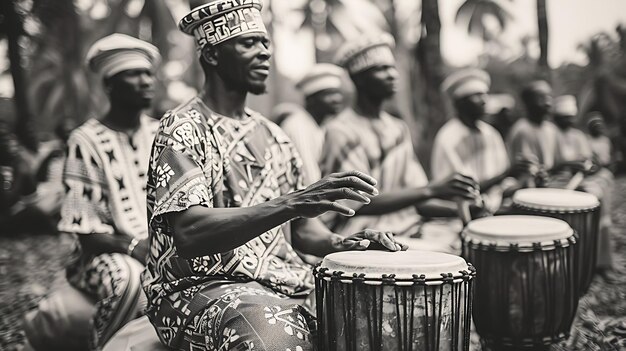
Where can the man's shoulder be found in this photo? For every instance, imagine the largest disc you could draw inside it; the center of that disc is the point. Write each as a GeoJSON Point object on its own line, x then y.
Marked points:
{"type": "Point", "coordinates": [87, 130]}
{"type": "Point", "coordinates": [188, 113]}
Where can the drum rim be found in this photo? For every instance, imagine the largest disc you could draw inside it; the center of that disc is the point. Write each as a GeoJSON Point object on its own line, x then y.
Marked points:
{"type": "Point", "coordinates": [403, 265]}
{"type": "Point", "coordinates": [533, 205]}
{"type": "Point", "coordinates": [503, 246]}
{"type": "Point", "coordinates": [519, 238]}
{"type": "Point", "coordinates": [554, 209]}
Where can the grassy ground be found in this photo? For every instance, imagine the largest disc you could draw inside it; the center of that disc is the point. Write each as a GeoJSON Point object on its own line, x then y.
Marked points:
{"type": "Point", "coordinates": [32, 265]}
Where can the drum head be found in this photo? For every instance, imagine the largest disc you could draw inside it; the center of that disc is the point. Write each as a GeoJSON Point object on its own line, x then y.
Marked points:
{"type": "Point", "coordinates": [506, 230]}
{"type": "Point", "coordinates": [555, 199]}
{"type": "Point", "coordinates": [403, 263]}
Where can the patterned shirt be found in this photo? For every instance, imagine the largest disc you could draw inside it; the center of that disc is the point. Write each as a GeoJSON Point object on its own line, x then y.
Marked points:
{"type": "Point", "coordinates": [105, 179]}
{"type": "Point", "coordinates": [201, 158]}
{"type": "Point", "coordinates": [379, 147]}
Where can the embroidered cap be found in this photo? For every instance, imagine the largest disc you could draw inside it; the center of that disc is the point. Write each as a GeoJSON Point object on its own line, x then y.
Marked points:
{"type": "Point", "coordinates": [321, 77]}
{"type": "Point", "coordinates": [120, 52]}
{"type": "Point", "coordinates": [221, 20]}
{"type": "Point", "coordinates": [466, 82]}
{"type": "Point", "coordinates": [367, 52]}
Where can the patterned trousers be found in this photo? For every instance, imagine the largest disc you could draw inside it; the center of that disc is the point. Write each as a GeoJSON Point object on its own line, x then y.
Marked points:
{"type": "Point", "coordinates": [248, 316]}
{"type": "Point", "coordinates": [114, 281]}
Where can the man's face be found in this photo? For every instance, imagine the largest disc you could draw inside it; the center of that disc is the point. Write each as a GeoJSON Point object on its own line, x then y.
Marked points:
{"type": "Point", "coordinates": [379, 81]}
{"type": "Point", "coordinates": [472, 106]}
{"type": "Point", "coordinates": [563, 122]}
{"type": "Point", "coordinates": [540, 105]}
{"type": "Point", "coordinates": [328, 101]}
{"type": "Point", "coordinates": [243, 62]}
{"type": "Point", "coordinates": [132, 88]}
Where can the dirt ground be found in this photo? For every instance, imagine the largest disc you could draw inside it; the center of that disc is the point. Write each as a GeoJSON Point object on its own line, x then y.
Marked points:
{"type": "Point", "coordinates": [32, 265]}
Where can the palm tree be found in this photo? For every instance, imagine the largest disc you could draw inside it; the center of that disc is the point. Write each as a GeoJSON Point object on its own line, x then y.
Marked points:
{"type": "Point", "coordinates": [542, 21]}
{"type": "Point", "coordinates": [431, 66]}
{"type": "Point", "coordinates": [474, 12]}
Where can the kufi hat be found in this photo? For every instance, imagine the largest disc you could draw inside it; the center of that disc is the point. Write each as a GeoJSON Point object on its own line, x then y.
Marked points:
{"type": "Point", "coordinates": [565, 106]}
{"type": "Point", "coordinates": [120, 52]}
{"type": "Point", "coordinates": [221, 20]}
{"type": "Point", "coordinates": [321, 77]}
{"type": "Point", "coordinates": [540, 86]}
{"type": "Point", "coordinates": [466, 82]}
{"type": "Point", "coordinates": [366, 52]}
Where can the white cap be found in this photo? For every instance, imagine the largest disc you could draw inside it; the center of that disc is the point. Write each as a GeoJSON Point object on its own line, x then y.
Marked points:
{"type": "Point", "coordinates": [565, 106]}
{"type": "Point", "coordinates": [120, 52]}
{"type": "Point", "coordinates": [321, 77]}
{"type": "Point", "coordinates": [466, 82]}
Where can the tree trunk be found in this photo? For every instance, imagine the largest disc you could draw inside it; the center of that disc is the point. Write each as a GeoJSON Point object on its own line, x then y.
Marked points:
{"type": "Point", "coordinates": [430, 61]}
{"type": "Point", "coordinates": [542, 21]}
{"type": "Point", "coordinates": [24, 128]}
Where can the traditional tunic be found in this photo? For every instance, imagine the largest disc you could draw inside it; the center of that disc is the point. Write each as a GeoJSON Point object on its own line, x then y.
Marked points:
{"type": "Point", "coordinates": [532, 141]}
{"type": "Point", "coordinates": [232, 299]}
{"type": "Point", "coordinates": [381, 148]}
{"type": "Point", "coordinates": [105, 178]}
{"type": "Point", "coordinates": [601, 147]}
{"type": "Point", "coordinates": [477, 153]}
{"type": "Point", "coordinates": [308, 138]}
{"type": "Point", "coordinates": [573, 145]}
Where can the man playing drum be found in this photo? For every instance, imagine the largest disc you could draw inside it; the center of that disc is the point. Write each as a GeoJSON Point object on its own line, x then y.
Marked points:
{"type": "Point", "coordinates": [224, 187]}
{"type": "Point", "coordinates": [467, 144]}
{"type": "Point", "coordinates": [370, 140]}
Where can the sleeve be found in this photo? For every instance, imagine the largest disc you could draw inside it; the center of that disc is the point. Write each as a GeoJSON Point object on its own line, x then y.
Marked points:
{"type": "Point", "coordinates": [441, 166]}
{"type": "Point", "coordinates": [181, 173]}
{"type": "Point", "coordinates": [499, 150]}
{"type": "Point", "coordinates": [85, 207]}
{"type": "Point", "coordinates": [305, 147]}
{"type": "Point", "coordinates": [414, 175]}
{"type": "Point", "coordinates": [342, 152]}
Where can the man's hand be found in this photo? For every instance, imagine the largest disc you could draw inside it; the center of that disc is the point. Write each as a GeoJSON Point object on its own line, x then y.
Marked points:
{"type": "Point", "coordinates": [523, 166]}
{"type": "Point", "coordinates": [322, 196]}
{"type": "Point", "coordinates": [369, 239]}
{"type": "Point", "coordinates": [140, 252]}
{"type": "Point", "coordinates": [454, 187]}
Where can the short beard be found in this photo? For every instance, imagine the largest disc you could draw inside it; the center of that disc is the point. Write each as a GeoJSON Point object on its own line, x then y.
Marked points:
{"type": "Point", "coordinates": [257, 88]}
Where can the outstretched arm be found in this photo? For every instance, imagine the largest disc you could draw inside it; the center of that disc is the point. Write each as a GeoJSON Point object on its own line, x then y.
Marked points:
{"type": "Point", "coordinates": [200, 231]}
{"type": "Point", "coordinates": [455, 186]}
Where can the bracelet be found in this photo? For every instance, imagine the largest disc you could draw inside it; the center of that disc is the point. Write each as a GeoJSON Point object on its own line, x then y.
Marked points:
{"type": "Point", "coordinates": [131, 246]}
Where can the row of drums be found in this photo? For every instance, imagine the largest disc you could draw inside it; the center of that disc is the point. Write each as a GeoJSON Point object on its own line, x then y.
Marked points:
{"type": "Point", "coordinates": [519, 277]}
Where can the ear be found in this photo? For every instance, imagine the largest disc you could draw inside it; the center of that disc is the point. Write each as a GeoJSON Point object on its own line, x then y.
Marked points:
{"type": "Point", "coordinates": [209, 54]}
{"type": "Point", "coordinates": [107, 82]}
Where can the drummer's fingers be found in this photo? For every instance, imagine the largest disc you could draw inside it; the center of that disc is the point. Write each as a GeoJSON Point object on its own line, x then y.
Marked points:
{"type": "Point", "coordinates": [355, 244]}
{"type": "Point", "coordinates": [391, 237]}
{"type": "Point", "coordinates": [382, 238]}
{"type": "Point", "coordinates": [365, 177]}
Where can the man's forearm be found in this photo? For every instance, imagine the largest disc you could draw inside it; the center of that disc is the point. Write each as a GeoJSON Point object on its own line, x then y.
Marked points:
{"type": "Point", "coordinates": [200, 231]}
{"type": "Point", "coordinates": [396, 200]}
{"type": "Point", "coordinates": [437, 208]}
{"type": "Point", "coordinates": [489, 183]}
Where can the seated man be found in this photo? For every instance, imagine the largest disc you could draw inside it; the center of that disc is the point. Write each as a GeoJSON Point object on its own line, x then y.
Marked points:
{"type": "Point", "coordinates": [534, 137]}
{"type": "Point", "coordinates": [575, 155]}
{"type": "Point", "coordinates": [368, 139]}
{"type": "Point", "coordinates": [600, 143]}
{"type": "Point", "coordinates": [468, 145]}
{"type": "Point", "coordinates": [323, 100]}
{"type": "Point", "coordinates": [224, 186]}
{"type": "Point", "coordinates": [105, 177]}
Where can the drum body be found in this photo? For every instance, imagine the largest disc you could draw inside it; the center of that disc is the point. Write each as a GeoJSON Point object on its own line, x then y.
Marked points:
{"type": "Point", "coordinates": [580, 210]}
{"type": "Point", "coordinates": [526, 295]}
{"type": "Point", "coordinates": [422, 302]}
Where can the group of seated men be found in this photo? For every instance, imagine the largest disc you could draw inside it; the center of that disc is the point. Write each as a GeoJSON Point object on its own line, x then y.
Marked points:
{"type": "Point", "coordinates": [232, 207]}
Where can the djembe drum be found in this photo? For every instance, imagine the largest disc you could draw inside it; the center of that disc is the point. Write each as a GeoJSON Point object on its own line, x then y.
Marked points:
{"type": "Point", "coordinates": [526, 296]}
{"type": "Point", "coordinates": [375, 300]}
{"type": "Point", "coordinates": [580, 210]}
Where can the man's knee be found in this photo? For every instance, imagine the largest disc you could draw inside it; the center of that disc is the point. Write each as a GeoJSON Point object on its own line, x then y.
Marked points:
{"type": "Point", "coordinates": [247, 326]}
